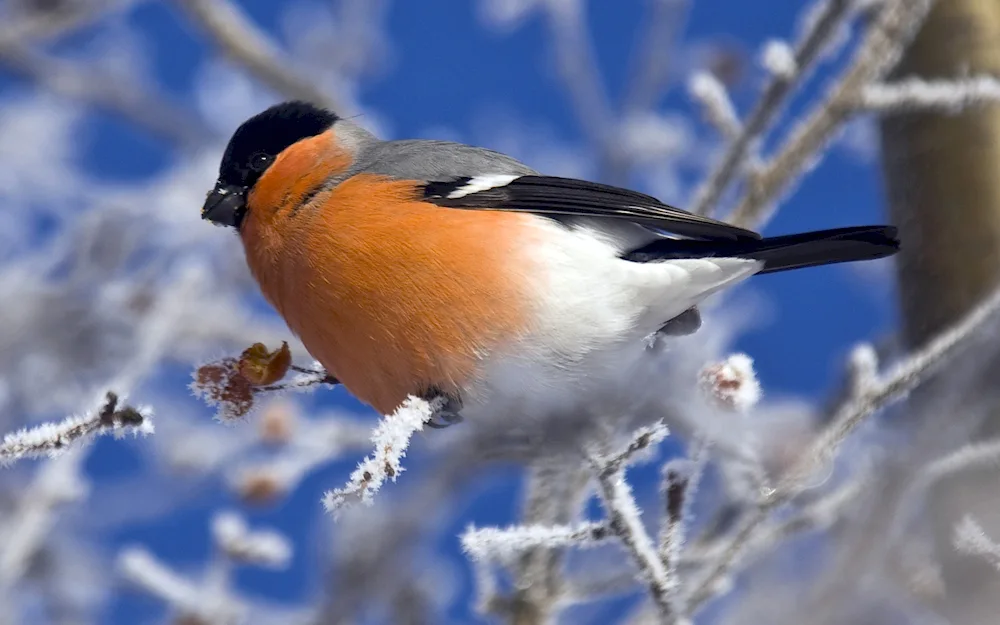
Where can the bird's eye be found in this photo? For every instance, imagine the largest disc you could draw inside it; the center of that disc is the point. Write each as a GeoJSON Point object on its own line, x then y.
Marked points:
{"type": "Point", "coordinates": [260, 161]}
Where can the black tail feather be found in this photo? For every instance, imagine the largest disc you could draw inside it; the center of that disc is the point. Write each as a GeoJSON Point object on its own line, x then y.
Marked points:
{"type": "Point", "coordinates": [793, 251]}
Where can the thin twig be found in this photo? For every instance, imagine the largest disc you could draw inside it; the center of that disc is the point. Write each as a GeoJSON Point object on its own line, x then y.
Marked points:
{"type": "Point", "coordinates": [556, 491]}
{"type": "Point", "coordinates": [807, 51]}
{"type": "Point", "coordinates": [48, 25]}
{"type": "Point", "coordinates": [889, 388]}
{"type": "Point", "coordinates": [652, 59]}
{"type": "Point", "coordinates": [577, 69]}
{"type": "Point", "coordinates": [50, 439]}
{"type": "Point", "coordinates": [505, 545]}
{"type": "Point", "coordinates": [897, 23]}
{"type": "Point", "coordinates": [947, 96]}
{"type": "Point", "coordinates": [675, 493]}
{"type": "Point", "coordinates": [623, 515]}
{"type": "Point", "coordinates": [624, 519]}
{"type": "Point", "coordinates": [716, 106]}
{"type": "Point", "coordinates": [970, 537]}
{"type": "Point", "coordinates": [391, 438]}
{"type": "Point", "coordinates": [247, 44]}
{"type": "Point", "coordinates": [105, 93]}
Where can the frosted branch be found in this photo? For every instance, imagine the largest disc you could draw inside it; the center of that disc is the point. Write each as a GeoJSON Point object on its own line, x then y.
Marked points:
{"type": "Point", "coordinates": [391, 438]}
{"type": "Point", "coordinates": [971, 538]}
{"type": "Point", "coordinates": [506, 545]}
{"type": "Point", "coordinates": [896, 23]}
{"type": "Point", "coordinates": [807, 51]}
{"type": "Point", "coordinates": [651, 70]}
{"type": "Point", "coordinates": [887, 388]}
{"type": "Point", "coordinates": [625, 520]}
{"type": "Point", "coordinates": [674, 491]}
{"type": "Point", "coordinates": [642, 440]}
{"type": "Point", "coordinates": [232, 385]}
{"type": "Point", "coordinates": [816, 515]}
{"type": "Point", "coordinates": [51, 439]}
{"type": "Point", "coordinates": [240, 544]}
{"type": "Point", "coordinates": [914, 94]}
{"type": "Point", "coordinates": [241, 40]}
{"type": "Point", "coordinates": [134, 102]}
{"type": "Point", "coordinates": [985, 453]}
{"type": "Point", "coordinates": [576, 66]}
{"type": "Point", "coordinates": [862, 370]}
{"type": "Point", "coordinates": [778, 58]}
{"type": "Point", "coordinates": [26, 528]}
{"type": "Point", "coordinates": [717, 108]}
{"type": "Point", "coordinates": [144, 570]}
{"type": "Point", "coordinates": [48, 24]}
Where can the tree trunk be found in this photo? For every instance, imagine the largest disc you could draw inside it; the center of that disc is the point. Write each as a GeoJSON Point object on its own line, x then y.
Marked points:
{"type": "Point", "coordinates": [943, 182]}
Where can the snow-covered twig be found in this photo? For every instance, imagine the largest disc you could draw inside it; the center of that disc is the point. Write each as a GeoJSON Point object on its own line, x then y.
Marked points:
{"type": "Point", "coordinates": [577, 69]}
{"type": "Point", "coordinates": [143, 569]}
{"type": "Point", "coordinates": [816, 515]}
{"type": "Point", "coordinates": [715, 104]}
{"type": "Point", "coordinates": [51, 439]}
{"type": "Point", "coordinates": [211, 599]}
{"type": "Point", "coordinates": [233, 385]}
{"type": "Point", "coordinates": [778, 58]}
{"type": "Point", "coordinates": [896, 23]}
{"type": "Point", "coordinates": [556, 490]}
{"type": "Point", "coordinates": [25, 530]}
{"type": "Point", "coordinates": [675, 492]}
{"type": "Point", "coordinates": [915, 94]}
{"type": "Point", "coordinates": [807, 51]}
{"type": "Point", "coordinates": [505, 545]}
{"type": "Point", "coordinates": [45, 25]}
{"type": "Point", "coordinates": [240, 39]}
{"type": "Point", "coordinates": [391, 438]}
{"type": "Point", "coordinates": [625, 520]}
{"type": "Point", "coordinates": [971, 538]}
{"type": "Point", "coordinates": [651, 67]}
{"type": "Point", "coordinates": [133, 102]}
{"type": "Point", "coordinates": [241, 544]}
{"type": "Point", "coordinates": [887, 388]}
{"type": "Point", "coordinates": [643, 439]}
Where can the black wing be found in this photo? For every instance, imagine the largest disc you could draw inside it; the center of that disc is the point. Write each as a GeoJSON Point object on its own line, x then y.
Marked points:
{"type": "Point", "coordinates": [551, 195]}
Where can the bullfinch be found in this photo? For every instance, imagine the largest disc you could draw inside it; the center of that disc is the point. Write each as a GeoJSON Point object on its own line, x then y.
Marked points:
{"type": "Point", "coordinates": [437, 269]}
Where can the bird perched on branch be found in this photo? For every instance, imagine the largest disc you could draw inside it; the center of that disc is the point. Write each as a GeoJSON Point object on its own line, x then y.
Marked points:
{"type": "Point", "coordinates": [439, 269]}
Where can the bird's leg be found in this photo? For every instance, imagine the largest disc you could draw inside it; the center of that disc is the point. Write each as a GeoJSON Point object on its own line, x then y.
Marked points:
{"type": "Point", "coordinates": [448, 414]}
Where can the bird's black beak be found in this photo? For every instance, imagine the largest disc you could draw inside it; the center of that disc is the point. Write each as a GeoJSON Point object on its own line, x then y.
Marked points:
{"type": "Point", "coordinates": [225, 205]}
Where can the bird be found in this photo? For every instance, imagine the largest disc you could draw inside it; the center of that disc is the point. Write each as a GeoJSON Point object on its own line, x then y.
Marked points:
{"type": "Point", "coordinates": [452, 272]}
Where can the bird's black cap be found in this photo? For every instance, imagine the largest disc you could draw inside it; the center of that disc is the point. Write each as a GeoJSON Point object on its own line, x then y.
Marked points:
{"type": "Point", "coordinates": [268, 133]}
{"type": "Point", "coordinates": [251, 150]}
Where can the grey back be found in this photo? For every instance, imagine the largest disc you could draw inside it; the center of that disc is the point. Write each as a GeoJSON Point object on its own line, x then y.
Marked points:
{"type": "Point", "coordinates": [416, 159]}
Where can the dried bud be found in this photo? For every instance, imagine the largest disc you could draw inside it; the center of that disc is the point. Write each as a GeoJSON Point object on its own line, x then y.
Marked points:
{"type": "Point", "coordinates": [221, 384]}
{"type": "Point", "coordinates": [260, 487]}
{"type": "Point", "coordinates": [277, 422]}
{"type": "Point", "coordinates": [731, 384]}
{"type": "Point", "coordinates": [262, 367]}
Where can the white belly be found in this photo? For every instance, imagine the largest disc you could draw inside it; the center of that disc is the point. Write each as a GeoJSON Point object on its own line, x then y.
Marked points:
{"type": "Point", "coordinates": [593, 314]}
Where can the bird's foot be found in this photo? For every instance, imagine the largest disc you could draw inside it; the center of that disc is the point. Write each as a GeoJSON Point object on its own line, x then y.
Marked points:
{"type": "Point", "coordinates": [443, 419]}
{"type": "Point", "coordinates": [448, 414]}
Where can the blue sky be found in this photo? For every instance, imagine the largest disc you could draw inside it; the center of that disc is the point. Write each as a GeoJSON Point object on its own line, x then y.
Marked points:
{"type": "Point", "coordinates": [446, 72]}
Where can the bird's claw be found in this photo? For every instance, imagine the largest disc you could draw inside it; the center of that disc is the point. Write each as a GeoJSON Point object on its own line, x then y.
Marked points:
{"type": "Point", "coordinates": [443, 419]}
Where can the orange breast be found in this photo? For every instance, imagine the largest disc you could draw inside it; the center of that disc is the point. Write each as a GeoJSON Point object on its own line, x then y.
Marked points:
{"type": "Point", "coordinates": [392, 295]}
